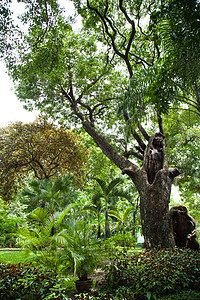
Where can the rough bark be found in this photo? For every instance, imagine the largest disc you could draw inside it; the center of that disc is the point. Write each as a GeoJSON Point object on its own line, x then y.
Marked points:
{"type": "Point", "coordinates": [153, 181]}
{"type": "Point", "coordinates": [183, 228]}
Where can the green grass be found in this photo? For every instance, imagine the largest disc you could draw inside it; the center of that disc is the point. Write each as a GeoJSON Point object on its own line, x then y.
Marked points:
{"type": "Point", "coordinates": [15, 257]}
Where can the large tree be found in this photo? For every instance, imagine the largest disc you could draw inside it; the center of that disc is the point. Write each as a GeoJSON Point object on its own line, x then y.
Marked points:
{"type": "Point", "coordinates": [71, 77]}
{"type": "Point", "coordinates": [41, 149]}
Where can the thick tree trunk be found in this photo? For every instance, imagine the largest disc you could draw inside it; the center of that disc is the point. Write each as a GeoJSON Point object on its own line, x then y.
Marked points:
{"type": "Point", "coordinates": [154, 211]}
{"type": "Point", "coordinates": [153, 182]}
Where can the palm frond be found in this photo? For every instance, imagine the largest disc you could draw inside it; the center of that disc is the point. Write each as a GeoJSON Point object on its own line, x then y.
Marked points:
{"type": "Point", "coordinates": [38, 215]}
{"type": "Point", "coordinates": [102, 185]}
{"type": "Point", "coordinates": [91, 208]}
{"type": "Point", "coordinates": [58, 221]}
{"type": "Point", "coordinates": [114, 183]}
{"type": "Point", "coordinates": [121, 194]}
{"type": "Point", "coordinates": [128, 211]}
{"type": "Point", "coordinates": [116, 214]}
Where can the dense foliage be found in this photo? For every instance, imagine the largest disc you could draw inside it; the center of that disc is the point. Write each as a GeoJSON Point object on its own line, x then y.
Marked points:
{"type": "Point", "coordinates": [26, 282]}
{"type": "Point", "coordinates": [38, 148]}
{"type": "Point", "coordinates": [11, 216]}
{"type": "Point", "coordinates": [154, 273]}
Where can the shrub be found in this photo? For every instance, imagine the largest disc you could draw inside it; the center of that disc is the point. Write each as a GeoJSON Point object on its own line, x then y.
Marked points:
{"type": "Point", "coordinates": [154, 272]}
{"type": "Point", "coordinates": [26, 282]}
{"type": "Point", "coordinates": [118, 242]}
{"type": "Point", "coordinates": [185, 295]}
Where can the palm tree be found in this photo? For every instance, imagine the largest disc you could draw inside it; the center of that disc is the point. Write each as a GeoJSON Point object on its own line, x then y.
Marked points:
{"type": "Point", "coordinates": [53, 194]}
{"type": "Point", "coordinates": [109, 192]}
{"type": "Point", "coordinates": [80, 250]}
{"type": "Point", "coordinates": [96, 207]}
{"type": "Point", "coordinates": [121, 216]}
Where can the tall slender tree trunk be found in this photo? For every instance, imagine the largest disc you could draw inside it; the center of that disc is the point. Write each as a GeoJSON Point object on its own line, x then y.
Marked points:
{"type": "Point", "coordinates": [99, 228]}
{"type": "Point", "coordinates": [134, 218]}
{"type": "Point", "coordinates": [107, 226]}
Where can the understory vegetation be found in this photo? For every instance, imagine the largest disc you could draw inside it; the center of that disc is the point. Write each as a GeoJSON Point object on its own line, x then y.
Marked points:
{"type": "Point", "coordinates": [153, 274]}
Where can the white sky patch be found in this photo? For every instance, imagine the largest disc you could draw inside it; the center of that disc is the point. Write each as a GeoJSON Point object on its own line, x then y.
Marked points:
{"type": "Point", "coordinates": [175, 194]}
{"type": "Point", "coordinates": [11, 109]}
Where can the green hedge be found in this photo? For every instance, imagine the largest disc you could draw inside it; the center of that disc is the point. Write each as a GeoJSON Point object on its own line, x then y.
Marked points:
{"type": "Point", "coordinates": [153, 273]}
{"type": "Point", "coordinates": [27, 282]}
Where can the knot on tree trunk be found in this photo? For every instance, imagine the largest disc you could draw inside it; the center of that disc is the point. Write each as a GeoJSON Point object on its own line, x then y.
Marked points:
{"type": "Point", "coordinates": [154, 156]}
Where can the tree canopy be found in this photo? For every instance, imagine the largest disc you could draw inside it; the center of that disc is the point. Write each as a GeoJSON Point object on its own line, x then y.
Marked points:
{"type": "Point", "coordinates": [39, 148]}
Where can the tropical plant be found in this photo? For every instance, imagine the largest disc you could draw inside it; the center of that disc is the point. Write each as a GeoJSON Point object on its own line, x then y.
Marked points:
{"type": "Point", "coordinates": [81, 251]}
{"type": "Point", "coordinates": [26, 282]}
{"type": "Point", "coordinates": [176, 79]}
{"type": "Point", "coordinates": [42, 237]}
{"type": "Point", "coordinates": [153, 273]}
{"type": "Point", "coordinates": [54, 194]}
{"type": "Point", "coordinates": [11, 216]}
{"type": "Point", "coordinates": [121, 216]}
{"type": "Point", "coordinates": [96, 207]}
{"type": "Point", "coordinates": [109, 193]}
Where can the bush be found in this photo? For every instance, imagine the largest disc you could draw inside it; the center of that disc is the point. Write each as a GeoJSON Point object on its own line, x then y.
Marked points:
{"type": "Point", "coordinates": [117, 242]}
{"type": "Point", "coordinates": [185, 295]}
{"type": "Point", "coordinates": [26, 282]}
{"type": "Point", "coordinates": [153, 273]}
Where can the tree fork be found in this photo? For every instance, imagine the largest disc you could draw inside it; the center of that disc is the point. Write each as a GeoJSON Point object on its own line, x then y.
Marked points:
{"type": "Point", "coordinates": [153, 181]}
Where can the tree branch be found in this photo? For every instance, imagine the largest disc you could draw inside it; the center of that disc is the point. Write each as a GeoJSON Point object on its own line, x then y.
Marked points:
{"type": "Point", "coordinates": [144, 133]}
{"type": "Point", "coordinates": [120, 161]}
{"type": "Point", "coordinates": [160, 122]}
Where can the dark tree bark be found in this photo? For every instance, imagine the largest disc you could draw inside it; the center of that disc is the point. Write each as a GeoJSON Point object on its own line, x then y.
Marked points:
{"type": "Point", "coordinates": [153, 181]}
{"type": "Point", "coordinates": [183, 228]}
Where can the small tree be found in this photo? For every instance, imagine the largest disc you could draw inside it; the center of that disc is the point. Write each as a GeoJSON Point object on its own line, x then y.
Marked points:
{"type": "Point", "coordinates": [40, 148]}
{"type": "Point", "coordinates": [96, 207]}
{"type": "Point", "coordinates": [107, 193]}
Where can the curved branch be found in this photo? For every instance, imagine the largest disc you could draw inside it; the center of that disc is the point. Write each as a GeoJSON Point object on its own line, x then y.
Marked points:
{"type": "Point", "coordinates": [139, 140]}
{"type": "Point", "coordinates": [119, 160]}
{"type": "Point", "coordinates": [133, 31]}
{"type": "Point", "coordinates": [160, 122]}
{"type": "Point", "coordinates": [144, 133]}
{"type": "Point", "coordinates": [135, 154]}
{"type": "Point", "coordinates": [112, 36]}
